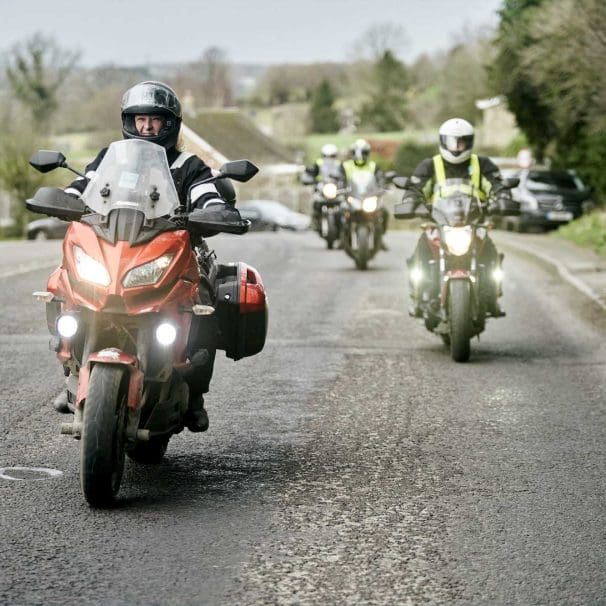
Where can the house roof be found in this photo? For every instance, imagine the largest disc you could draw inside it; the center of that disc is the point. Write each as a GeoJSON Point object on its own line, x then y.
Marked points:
{"type": "Point", "coordinates": [235, 136]}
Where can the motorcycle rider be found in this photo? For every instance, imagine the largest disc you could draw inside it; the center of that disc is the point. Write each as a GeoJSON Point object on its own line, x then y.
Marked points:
{"type": "Point", "coordinates": [151, 111]}
{"type": "Point", "coordinates": [326, 168]}
{"type": "Point", "coordinates": [456, 161]}
{"type": "Point", "coordinates": [360, 161]}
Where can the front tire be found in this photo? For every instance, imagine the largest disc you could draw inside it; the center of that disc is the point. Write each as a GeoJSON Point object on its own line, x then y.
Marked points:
{"type": "Point", "coordinates": [459, 312]}
{"type": "Point", "coordinates": [362, 254]}
{"type": "Point", "coordinates": [103, 435]}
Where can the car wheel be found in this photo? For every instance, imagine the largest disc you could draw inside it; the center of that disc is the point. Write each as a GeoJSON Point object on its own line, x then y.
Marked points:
{"type": "Point", "coordinates": [41, 235]}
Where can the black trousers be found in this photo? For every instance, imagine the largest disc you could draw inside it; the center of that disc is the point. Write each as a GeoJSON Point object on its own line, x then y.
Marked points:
{"type": "Point", "coordinates": [204, 331]}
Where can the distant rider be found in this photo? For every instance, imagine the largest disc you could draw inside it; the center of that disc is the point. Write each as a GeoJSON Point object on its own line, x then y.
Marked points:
{"type": "Point", "coordinates": [458, 169]}
{"type": "Point", "coordinates": [326, 169]}
{"type": "Point", "coordinates": [360, 161]}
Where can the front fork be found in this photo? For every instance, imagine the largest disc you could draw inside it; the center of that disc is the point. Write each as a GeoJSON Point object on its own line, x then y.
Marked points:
{"type": "Point", "coordinates": [470, 274]}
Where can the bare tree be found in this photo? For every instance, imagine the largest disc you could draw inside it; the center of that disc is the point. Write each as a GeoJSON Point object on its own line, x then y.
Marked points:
{"type": "Point", "coordinates": [35, 70]}
{"type": "Point", "coordinates": [208, 80]}
{"type": "Point", "coordinates": [379, 39]}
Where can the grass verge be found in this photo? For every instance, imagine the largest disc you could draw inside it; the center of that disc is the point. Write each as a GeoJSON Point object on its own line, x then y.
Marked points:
{"type": "Point", "coordinates": [588, 231]}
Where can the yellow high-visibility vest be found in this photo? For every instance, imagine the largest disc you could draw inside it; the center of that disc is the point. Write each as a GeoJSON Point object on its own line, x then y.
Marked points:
{"type": "Point", "coordinates": [350, 167]}
{"type": "Point", "coordinates": [478, 185]}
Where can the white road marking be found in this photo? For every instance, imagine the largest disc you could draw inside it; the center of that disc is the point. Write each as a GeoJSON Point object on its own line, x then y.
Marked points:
{"type": "Point", "coordinates": [5, 473]}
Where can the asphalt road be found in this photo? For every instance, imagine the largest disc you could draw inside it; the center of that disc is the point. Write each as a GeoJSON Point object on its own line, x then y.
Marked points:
{"type": "Point", "coordinates": [352, 462]}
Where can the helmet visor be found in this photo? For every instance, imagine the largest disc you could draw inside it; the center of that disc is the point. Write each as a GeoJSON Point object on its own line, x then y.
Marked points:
{"type": "Point", "coordinates": [150, 99]}
{"type": "Point", "coordinates": [455, 144]}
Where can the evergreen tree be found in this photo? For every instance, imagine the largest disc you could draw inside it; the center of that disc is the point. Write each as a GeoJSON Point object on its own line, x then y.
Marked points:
{"type": "Point", "coordinates": [386, 108]}
{"type": "Point", "coordinates": [324, 117]}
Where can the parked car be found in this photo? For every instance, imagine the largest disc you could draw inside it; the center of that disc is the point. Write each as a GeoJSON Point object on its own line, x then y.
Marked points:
{"type": "Point", "coordinates": [271, 215]}
{"type": "Point", "coordinates": [548, 198]}
{"type": "Point", "coordinates": [47, 228]}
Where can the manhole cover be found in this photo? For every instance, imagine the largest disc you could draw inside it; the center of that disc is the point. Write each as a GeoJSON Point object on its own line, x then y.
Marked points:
{"type": "Point", "coordinates": [28, 473]}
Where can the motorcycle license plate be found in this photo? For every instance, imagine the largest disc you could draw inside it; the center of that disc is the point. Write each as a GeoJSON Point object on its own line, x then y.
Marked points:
{"type": "Point", "coordinates": [559, 215]}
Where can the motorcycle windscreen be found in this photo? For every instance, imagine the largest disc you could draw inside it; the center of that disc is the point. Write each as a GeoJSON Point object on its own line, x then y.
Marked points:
{"type": "Point", "coordinates": [363, 183]}
{"type": "Point", "coordinates": [456, 204]}
{"type": "Point", "coordinates": [133, 174]}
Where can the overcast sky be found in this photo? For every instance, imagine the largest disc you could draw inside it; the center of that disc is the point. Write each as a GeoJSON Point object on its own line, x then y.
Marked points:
{"type": "Point", "coordinates": [135, 32]}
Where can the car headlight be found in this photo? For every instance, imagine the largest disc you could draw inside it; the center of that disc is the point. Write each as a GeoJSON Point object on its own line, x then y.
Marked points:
{"type": "Point", "coordinates": [148, 273]}
{"type": "Point", "coordinates": [90, 269]}
{"type": "Point", "coordinates": [458, 239]}
{"type": "Point", "coordinates": [369, 204]}
{"type": "Point", "coordinates": [329, 191]}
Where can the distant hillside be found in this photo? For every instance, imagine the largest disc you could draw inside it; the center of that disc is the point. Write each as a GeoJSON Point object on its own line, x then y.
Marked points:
{"type": "Point", "coordinates": [236, 136]}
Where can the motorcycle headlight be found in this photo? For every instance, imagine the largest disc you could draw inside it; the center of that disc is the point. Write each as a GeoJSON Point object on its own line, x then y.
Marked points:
{"type": "Point", "coordinates": [369, 204]}
{"type": "Point", "coordinates": [67, 326]}
{"type": "Point", "coordinates": [329, 191]}
{"type": "Point", "coordinates": [416, 275]}
{"type": "Point", "coordinates": [148, 273]}
{"type": "Point", "coordinates": [90, 269]}
{"type": "Point", "coordinates": [166, 334]}
{"type": "Point", "coordinates": [497, 275]}
{"type": "Point", "coordinates": [457, 239]}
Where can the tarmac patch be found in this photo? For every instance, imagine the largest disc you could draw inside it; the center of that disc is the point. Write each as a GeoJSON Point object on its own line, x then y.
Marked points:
{"type": "Point", "coordinates": [28, 473]}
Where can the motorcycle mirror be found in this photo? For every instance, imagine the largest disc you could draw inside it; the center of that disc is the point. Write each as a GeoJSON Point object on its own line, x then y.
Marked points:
{"type": "Point", "coordinates": [307, 179]}
{"type": "Point", "coordinates": [400, 182]}
{"type": "Point", "coordinates": [511, 182]}
{"type": "Point", "coordinates": [239, 170]}
{"type": "Point", "coordinates": [45, 160]}
{"type": "Point", "coordinates": [390, 175]}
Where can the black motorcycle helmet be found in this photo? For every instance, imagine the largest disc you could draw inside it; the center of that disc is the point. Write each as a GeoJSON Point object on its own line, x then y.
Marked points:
{"type": "Point", "coordinates": [152, 98]}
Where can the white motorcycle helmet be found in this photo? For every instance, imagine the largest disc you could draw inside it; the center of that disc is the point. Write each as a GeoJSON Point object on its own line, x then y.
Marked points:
{"type": "Point", "coordinates": [360, 150]}
{"type": "Point", "coordinates": [456, 140]}
{"type": "Point", "coordinates": [329, 150]}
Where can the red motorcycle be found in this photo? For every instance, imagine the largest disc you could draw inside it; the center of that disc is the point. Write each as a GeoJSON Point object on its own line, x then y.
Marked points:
{"type": "Point", "coordinates": [120, 306]}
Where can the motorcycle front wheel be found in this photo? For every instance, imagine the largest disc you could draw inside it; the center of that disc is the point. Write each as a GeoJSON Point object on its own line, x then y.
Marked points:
{"type": "Point", "coordinates": [459, 312]}
{"type": "Point", "coordinates": [363, 241]}
{"type": "Point", "coordinates": [103, 434]}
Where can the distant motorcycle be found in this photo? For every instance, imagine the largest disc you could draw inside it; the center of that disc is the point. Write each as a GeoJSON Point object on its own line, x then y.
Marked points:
{"type": "Point", "coordinates": [363, 215]}
{"type": "Point", "coordinates": [461, 286]}
{"type": "Point", "coordinates": [121, 305]}
{"type": "Point", "coordinates": [326, 204]}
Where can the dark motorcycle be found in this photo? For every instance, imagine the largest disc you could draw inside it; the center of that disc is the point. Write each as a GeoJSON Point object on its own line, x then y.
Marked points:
{"type": "Point", "coordinates": [454, 299]}
{"type": "Point", "coordinates": [363, 219]}
{"type": "Point", "coordinates": [121, 305]}
{"type": "Point", "coordinates": [326, 205]}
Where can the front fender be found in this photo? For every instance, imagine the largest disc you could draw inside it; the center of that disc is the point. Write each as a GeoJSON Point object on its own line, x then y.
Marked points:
{"type": "Point", "coordinates": [112, 356]}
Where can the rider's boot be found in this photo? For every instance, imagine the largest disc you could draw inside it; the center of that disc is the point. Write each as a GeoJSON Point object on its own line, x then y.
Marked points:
{"type": "Point", "coordinates": [60, 403]}
{"type": "Point", "coordinates": [196, 418]}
